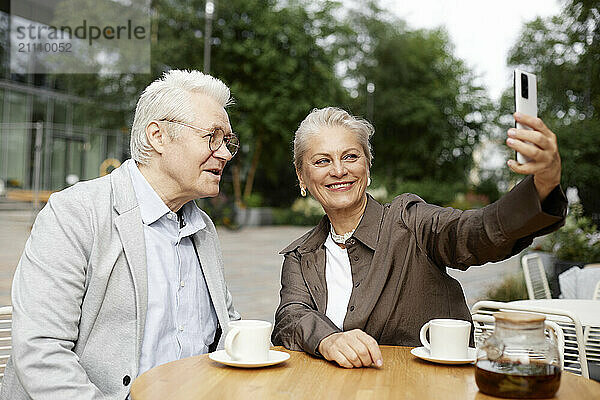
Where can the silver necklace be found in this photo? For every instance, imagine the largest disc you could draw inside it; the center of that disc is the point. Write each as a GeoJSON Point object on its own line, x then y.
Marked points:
{"type": "Point", "coordinates": [341, 239]}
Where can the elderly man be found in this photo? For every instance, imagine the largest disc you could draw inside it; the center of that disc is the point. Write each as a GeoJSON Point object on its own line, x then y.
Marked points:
{"type": "Point", "coordinates": [124, 272]}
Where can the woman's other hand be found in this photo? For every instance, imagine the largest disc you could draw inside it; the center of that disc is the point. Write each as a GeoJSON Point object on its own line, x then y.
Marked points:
{"type": "Point", "coordinates": [541, 149]}
{"type": "Point", "coordinates": [351, 349]}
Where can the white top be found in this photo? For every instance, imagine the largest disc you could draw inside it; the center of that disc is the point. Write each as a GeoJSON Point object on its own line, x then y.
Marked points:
{"type": "Point", "coordinates": [180, 320]}
{"type": "Point", "coordinates": [338, 275]}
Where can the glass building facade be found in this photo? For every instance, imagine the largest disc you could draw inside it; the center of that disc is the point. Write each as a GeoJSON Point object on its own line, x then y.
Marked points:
{"type": "Point", "coordinates": [69, 141]}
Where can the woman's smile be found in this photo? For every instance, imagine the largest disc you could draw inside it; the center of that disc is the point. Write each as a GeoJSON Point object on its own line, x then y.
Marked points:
{"type": "Point", "coordinates": [340, 186]}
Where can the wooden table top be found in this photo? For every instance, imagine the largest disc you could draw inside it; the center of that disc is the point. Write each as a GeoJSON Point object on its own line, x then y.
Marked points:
{"type": "Point", "coordinates": [402, 376]}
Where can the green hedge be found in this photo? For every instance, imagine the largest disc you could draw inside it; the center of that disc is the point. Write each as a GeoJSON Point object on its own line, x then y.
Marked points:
{"type": "Point", "coordinates": [511, 288]}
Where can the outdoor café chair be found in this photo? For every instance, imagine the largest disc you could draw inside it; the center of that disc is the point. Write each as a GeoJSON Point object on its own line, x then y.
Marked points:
{"type": "Point", "coordinates": [592, 334]}
{"type": "Point", "coordinates": [535, 277]}
{"type": "Point", "coordinates": [5, 337]}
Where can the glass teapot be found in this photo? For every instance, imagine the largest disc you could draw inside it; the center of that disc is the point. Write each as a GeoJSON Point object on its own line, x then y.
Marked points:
{"type": "Point", "coordinates": [518, 360]}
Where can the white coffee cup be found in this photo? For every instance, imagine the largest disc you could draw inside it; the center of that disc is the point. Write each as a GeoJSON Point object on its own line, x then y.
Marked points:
{"type": "Point", "coordinates": [248, 340]}
{"type": "Point", "coordinates": [449, 338]}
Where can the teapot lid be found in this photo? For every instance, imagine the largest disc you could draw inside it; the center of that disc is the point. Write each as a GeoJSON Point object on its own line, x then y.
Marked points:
{"type": "Point", "coordinates": [519, 317]}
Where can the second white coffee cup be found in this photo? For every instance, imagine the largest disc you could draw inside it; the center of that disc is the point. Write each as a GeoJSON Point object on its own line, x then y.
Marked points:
{"type": "Point", "coordinates": [248, 340]}
{"type": "Point", "coordinates": [448, 338]}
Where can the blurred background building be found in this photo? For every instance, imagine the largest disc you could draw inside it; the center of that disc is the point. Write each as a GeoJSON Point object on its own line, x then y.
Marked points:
{"type": "Point", "coordinates": [72, 141]}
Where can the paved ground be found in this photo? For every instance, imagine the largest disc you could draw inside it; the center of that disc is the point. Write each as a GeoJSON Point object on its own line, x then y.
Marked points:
{"type": "Point", "coordinates": [14, 230]}
{"type": "Point", "coordinates": [252, 264]}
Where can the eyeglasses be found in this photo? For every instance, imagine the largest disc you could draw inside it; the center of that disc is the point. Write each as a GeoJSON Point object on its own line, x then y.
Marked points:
{"type": "Point", "coordinates": [217, 137]}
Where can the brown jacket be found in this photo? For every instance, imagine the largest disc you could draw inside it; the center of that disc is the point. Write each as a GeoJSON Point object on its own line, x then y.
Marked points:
{"type": "Point", "coordinates": [398, 256]}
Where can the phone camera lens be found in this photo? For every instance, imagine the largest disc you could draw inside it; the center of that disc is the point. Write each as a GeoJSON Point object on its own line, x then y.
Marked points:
{"type": "Point", "coordinates": [524, 86]}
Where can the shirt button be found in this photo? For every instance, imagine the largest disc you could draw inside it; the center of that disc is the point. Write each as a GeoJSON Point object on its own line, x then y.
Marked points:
{"type": "Point", "coordinates": [182, 284]}
{"type": "Point", "coordinates": [126, 380]}
{"type": "Point", "coordinates": [357, 284]}
{"type": "Point", "coordinates": [351, 308]}
{"type": "Point", "coordinates": [180, 328]}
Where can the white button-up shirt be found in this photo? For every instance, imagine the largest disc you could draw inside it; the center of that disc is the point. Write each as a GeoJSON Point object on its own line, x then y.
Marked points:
{"type": "Point", "coordinates": [180, 320]}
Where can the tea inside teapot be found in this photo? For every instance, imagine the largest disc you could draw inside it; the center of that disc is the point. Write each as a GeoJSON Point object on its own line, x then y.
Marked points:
{"type": "Point", "coordinates": [518, 360]}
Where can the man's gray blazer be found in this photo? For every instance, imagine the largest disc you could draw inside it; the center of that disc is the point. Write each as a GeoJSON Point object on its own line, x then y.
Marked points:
{"type": "Point", "coordinates": [80, 294]}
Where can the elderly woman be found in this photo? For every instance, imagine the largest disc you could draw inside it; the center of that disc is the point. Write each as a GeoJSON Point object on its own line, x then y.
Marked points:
{"type": "Point", "coordinates": [372, 273]}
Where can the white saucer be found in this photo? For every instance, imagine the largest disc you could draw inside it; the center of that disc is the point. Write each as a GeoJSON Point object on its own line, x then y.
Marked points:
{"type": "Point", "coordinates": [275, 357]}
{"type": "Point", "coordinates": [423, 353]}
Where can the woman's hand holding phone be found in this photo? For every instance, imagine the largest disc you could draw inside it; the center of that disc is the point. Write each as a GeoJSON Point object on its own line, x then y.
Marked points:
{"type": "Point", "coordinates": [541, 149]}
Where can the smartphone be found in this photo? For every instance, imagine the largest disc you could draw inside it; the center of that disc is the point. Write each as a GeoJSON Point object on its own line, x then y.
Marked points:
{"type": "Point", "coordinates": [525, 92]}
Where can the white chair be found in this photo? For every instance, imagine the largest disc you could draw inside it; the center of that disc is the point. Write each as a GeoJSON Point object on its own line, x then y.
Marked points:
{"type": "Point", "coordinates": [484, 326]}
{"type": "Point", "coordinates": [592, 335]}
{"type": "Point", "coordinates": [535, 277]}
{"type": "Point", "coordinates": [5, 337]}
{"type": "Point", "coordinates": [574, 354]}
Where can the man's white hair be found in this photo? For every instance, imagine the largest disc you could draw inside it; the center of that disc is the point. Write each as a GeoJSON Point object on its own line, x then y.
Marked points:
{"type": "Point", "coordinates": [169, 97]}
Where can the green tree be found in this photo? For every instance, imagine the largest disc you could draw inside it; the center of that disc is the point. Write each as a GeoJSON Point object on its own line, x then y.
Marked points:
{"type": "Point", "coordinates": [564, 52]}
{"type": "Point", "coordinates": [277, 59]}
{"type": "Point", "coordinates": [427, 110]}
{"type": "Point", "coordinates": [280, 60]}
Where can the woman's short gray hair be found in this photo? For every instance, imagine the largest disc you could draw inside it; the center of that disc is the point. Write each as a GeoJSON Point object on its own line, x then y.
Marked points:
{"type": "Point", "coordinates": [330, 117]}
{"type": "Point", "coordinates": [169, 97]}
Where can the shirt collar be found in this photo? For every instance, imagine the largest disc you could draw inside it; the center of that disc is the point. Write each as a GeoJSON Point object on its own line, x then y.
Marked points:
{"type": "Point", "coordinates": [369, 227]}
{"type": "Point", "coordinates": [152, 208]}
{"type": "Point", "coordinates": [192, 215]}
{"type": "Point", "coordinates": [151, 205]}
{"type": "Point", "coordinates": [366, 232]}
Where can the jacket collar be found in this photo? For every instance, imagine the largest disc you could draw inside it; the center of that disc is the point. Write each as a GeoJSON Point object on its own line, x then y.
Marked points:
{"type": "Point", "coordinates": [122, 188]}
{"type": "Point", "coordinates": [366, 232]}
{"type": "Point", "coordinates": [128, 223]}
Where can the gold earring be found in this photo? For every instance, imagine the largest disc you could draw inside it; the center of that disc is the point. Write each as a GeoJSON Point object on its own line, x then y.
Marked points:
{"type": "Point", "coordinates": [369, 181]}
{"type": "Point", "coordinates": [302, 191]}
